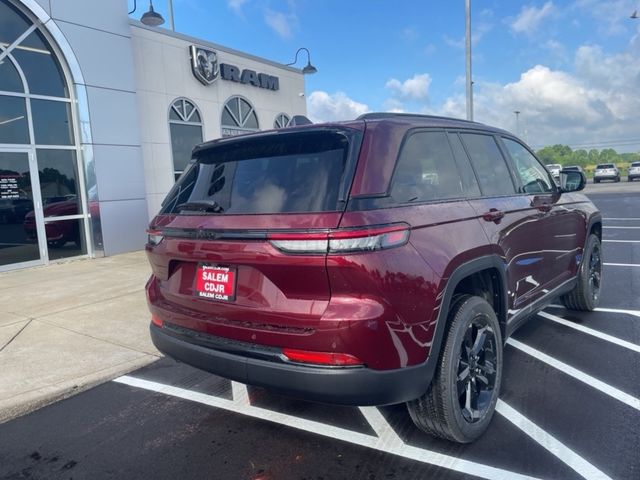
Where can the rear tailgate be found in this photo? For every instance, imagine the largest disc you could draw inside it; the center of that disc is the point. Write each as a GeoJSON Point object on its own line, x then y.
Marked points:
{"type": "Point", "coordinates": [216, 267]}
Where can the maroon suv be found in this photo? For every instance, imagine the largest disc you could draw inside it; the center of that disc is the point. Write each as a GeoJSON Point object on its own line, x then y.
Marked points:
{"type": "Point", "coordinates": [370, 262]}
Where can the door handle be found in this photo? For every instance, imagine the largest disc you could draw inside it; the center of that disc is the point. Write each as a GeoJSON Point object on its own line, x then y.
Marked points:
{"type": "Point", "coordinates": [493, 215]}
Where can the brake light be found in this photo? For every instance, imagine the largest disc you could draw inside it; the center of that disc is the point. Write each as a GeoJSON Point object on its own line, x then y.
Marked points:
{"type": "Point", "coordinates": [342, 240]}
{"type": "Point", "coordinates": [322, 358]}
{"type": "Point", "coordinates": [156, 321]}
{"type": "Point", "coordinates": [154, 237]}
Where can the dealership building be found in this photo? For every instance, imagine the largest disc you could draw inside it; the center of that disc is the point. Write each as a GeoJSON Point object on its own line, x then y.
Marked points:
{"type": "Point", "coordinates": [98, 115]}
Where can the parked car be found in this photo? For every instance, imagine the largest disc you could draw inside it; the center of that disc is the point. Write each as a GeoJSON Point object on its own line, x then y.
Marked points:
{"type": "Point", "coordinates": [606, 171]}
{"type": "Point", "coordinates": [554, 169]}
{"type": "Point", "coordinates": [59, 232]}
{"type": "Point", "coordinates": [573, 168]}
{"type": "Point", "coordinates": [371, 262]}
{"type": "Point", "coordinates": [634, 171]}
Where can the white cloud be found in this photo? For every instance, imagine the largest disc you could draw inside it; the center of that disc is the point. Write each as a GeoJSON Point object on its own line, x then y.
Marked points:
{"type": "Point", "coordinates": [531, 17]}
{"type": "Point", "coordinates": [612, 16]}
{"type": "Point", "coordinates": [281, 23]}
{"type": "Point", "coordinates": [236, 5]}
{"type": "Point", "coordinates": [414, 88]}
{"type": "Point", "coordinates": [323, 107]}
{"type": "Point", "coordinates": [596, 102]}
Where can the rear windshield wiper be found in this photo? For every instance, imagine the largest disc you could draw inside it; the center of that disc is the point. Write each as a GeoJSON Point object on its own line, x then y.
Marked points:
{"type": "Point", "coordinates": [201, 206]}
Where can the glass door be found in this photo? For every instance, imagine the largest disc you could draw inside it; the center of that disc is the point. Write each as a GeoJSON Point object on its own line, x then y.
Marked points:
{"type": "Point", "coordinates": [21, 226]}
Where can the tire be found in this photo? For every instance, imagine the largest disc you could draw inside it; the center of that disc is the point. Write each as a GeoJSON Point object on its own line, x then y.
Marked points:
{"type": "Point", "coordinates": [586, 294]}
{"type": "Point", "coordinates": [443, 410]}
{"type": "Point", "coordinates": [595, 180]}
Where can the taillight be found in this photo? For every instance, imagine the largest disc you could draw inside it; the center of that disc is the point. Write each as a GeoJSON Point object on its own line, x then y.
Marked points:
{"type": "Point", "coordinates": [156, 321]}
{"type": "Point", "coordinates": [342, 240]}
{"type": "Point", "coordinates": [154, 237]}
{"type": "Point", "coordinates": [322, 358]}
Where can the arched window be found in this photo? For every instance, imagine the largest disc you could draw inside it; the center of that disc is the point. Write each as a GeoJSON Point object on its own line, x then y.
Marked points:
{"type": "Point", "coordinates": [39, 148]}
{"type": "Point", "coordinates": [281, 121]}
{"type": "Point", "coordinates": [185, 124]}
{"type": "Point", "coordinates": [238, 117]}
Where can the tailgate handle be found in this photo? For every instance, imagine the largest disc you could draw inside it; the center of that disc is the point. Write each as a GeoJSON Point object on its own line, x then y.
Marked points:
{"type": "Point", "coordinates": [493, 215]}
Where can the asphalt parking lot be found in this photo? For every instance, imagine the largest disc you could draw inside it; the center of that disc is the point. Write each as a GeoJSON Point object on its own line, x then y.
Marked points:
{"type": "Point", "coordinates": [569, 408]}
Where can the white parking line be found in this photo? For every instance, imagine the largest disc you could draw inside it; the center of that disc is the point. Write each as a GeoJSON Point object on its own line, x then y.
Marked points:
{"type": "Point", "coordinates": [621, 241]}
{"type": "Point", "coordinates": [606, 227]}
{"type": "Point", "coordinates": [607, 310]}
{"type": "Point", "coordinates": [622, 264]}
{"type": "Point", "coordinates": [376, 443]}
{"type": "Point", "coordinates": [240, 393]}
{"type": "Point", "coordinates": [577, 374]}
{"type": "Point", "coordinates": [550, 443]}
{"type": "Point", "coordinates": [628, 218]}
{"type": "Point", "coordinates": [591, 331]}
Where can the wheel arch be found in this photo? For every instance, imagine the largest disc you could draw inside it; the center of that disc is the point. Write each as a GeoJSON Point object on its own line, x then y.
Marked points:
{"type": "Point", "coordinates": [465, 279]}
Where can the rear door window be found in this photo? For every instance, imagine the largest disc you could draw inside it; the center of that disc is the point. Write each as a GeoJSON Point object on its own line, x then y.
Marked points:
{"type": "Point", "coordinates": [534, 178]}
{"type": "Point", "coordinates": [426, 170]}
{"type": "Point", "coordinates": [489, 164]}
{"type": "Point", "coordinates": [294, 172]}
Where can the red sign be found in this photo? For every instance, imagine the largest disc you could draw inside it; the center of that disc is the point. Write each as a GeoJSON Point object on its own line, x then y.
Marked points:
{"type": "Point", "coordinates": [216, 283]}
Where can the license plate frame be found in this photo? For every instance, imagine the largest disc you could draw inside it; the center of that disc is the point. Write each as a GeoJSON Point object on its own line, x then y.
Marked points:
{"type": "Point", "coordinates": [216, 282]}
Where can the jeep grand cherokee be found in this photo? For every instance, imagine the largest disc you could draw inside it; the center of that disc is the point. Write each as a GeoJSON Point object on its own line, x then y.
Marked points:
{"type": "Point", "coordinates": [369, 262]}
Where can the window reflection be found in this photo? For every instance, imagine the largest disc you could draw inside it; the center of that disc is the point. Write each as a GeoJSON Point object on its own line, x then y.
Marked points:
{"type": "Point", "coordinates": [16, 204]}
{"type": "Point", "coordinates": [9, 79]}
{"type": "Point", "coordinates": [13, 120]}
{"type": "Point", "coordinates": [59, 187]}
{"type": "Point", "coordinates": [52, 122]}
{"type": "Point", "coordinates": [13, 23]}
{"type": "Point", "coordinates": [41, 68]}
{"type": "Point", "coordinates": [185, 126]}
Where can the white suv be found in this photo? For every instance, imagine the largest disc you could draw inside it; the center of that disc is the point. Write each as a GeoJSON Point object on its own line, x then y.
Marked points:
{"type": "Point", "coordinates": [606, 171]}
{"type": "Point", "coordinates": [634, 171]}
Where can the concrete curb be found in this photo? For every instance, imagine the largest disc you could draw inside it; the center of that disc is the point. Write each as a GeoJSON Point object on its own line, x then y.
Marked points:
{"type": "Point", "coordinates": [28, 402]}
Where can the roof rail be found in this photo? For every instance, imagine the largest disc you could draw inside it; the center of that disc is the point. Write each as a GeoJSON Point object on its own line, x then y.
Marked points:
{"type": "Point", "coordinates": [382, 115]}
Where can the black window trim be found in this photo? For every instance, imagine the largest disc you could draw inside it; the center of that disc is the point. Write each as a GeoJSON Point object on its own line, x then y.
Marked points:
{"type": "Point", "coordinates": [385, 200]}
{"type": "Point", "coordinates": [514, 178]}
{"type": "Point", "coordinates": [511, 163]}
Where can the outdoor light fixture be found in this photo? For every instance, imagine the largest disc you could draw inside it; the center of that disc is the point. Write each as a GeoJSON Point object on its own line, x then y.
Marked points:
{"type": "Point", "coordinates": [151, 18]}
{"type": "Point", "coordinates": [308, 69]}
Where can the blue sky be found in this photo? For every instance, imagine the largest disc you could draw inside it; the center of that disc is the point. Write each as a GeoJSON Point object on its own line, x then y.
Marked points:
{"type": "Point", "coordinates": [571, 67]}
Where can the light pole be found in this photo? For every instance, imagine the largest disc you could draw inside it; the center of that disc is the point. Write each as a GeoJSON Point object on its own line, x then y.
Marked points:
{"type": "Point", "coordinates": [467, 8]}
{"type": "Point", "coordinates": [171, 24]}
{"type": "Point", "coordinates": [517, 112]}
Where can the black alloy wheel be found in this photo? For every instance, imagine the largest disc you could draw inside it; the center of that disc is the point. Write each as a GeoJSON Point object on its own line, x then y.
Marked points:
{"type": "Point", "coordinates": [595, 272]}
{"type": "Point", "coordinates": [585, 296]}
{"type": "Point", "coordinates": [461, 399]}
{"type": "Point", "coordinates": [476, 370]}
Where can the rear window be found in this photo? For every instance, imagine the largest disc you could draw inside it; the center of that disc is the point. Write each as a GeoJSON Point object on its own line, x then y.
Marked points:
{"type": "Point", "coordinates": [606, 165]}
{"type": "Point", "coordinates": [293, 172]}
{"type": "Point", "coordinates": [635, 164]}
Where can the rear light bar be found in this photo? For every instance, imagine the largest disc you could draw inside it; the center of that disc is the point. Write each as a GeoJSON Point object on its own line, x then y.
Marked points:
{"type": "Point", "coordinates": [154, 237]}
{"type": "Point", "coordinates": [331, 359]}
{"type": "Point", "coordinates": [342, 240]}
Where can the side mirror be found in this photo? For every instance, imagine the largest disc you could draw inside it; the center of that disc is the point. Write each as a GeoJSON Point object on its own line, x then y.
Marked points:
{"type": "Point", "coordinates": [572, 181]}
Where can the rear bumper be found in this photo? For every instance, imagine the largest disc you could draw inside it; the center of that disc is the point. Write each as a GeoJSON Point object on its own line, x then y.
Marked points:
{"type": "Point", "coordinates": [608, 176]}
{"type": "Point", "coordinates": [345, 386]}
